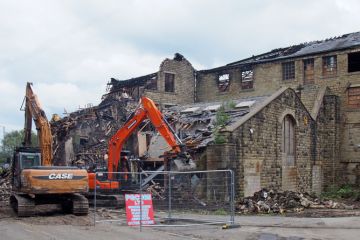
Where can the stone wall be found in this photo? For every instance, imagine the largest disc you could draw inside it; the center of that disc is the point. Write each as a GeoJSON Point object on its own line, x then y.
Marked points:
{"type": "Point", "coordinates": [327, 141]}
{"type": "Point", "coordinates": [184, 83]}
{"type": "Point", "coordinates": [268, 78]}
{"type": "Point", "coordinates": [221, 157]}
{"type": "Point", "coordinates": [256, 152]}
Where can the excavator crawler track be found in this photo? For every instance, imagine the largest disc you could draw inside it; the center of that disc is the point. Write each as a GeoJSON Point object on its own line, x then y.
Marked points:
{"type": "Point", "coordinates": [80, 205]}
{"type": "Point", "coordinates": [23, 205]}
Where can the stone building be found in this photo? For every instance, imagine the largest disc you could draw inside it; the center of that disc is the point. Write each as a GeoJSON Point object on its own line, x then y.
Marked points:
{"type": "Point", "coordinates": [294, 118]}
{"type": "Point", "coordinates": [321, 72]}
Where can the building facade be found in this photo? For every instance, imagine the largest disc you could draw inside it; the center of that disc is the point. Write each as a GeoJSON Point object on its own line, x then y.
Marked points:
{"type": "Point", "coordinates": [300, 129]}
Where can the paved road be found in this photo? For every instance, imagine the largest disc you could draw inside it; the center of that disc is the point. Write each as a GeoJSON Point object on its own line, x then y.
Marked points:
{"type": "Point", "coordinates": [252, 227]}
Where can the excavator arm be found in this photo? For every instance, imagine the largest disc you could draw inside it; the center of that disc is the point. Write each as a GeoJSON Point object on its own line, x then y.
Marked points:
{"type": "Point", "coordinates": [33, 111]}
{"type": "Point", "coordinates": [147, 109]}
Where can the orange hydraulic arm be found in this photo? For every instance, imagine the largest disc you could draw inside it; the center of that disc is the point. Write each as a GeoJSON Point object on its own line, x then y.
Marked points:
{"type": "Point", "coordinates": [34, 111]}
{"type": "Point", "coordinates": [149, 110]}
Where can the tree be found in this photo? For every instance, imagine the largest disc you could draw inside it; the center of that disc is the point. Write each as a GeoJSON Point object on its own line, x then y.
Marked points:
{"type": "Point", "coordinates": [12, 140]}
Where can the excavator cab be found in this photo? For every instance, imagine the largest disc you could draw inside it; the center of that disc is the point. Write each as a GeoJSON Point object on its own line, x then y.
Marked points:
{"type": "Point", "coordinates": [29, 160]}
{"type": "Point", "coordinates": [24, 158]}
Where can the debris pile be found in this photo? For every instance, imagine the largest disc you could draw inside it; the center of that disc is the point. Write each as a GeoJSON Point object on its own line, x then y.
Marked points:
{"type": "Point", "coordinates": [196, 123]}
{"type": "Point", "coordinates": [81, 138]}
{"type": "Point", "coordinates": [272, 201]}
{"type": "Point", "coordinates": [157, 191]}
{"type": "Point", "coordinates": [5, 185]}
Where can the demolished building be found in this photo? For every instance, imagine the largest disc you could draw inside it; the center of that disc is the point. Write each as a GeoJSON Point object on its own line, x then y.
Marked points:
{"type": "Point", "coordinates": [286, 119]}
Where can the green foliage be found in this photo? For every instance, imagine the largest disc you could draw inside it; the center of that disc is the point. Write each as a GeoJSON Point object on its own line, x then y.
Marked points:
{"type": "Point", "coordinates": [4, 157]}
{"type": "Point", "coordinates": [221, 120]}
{"type": "Point", "coordinates": [219, 139]}
{"type": "Point", "coordinates": [231, 104]}
{"type": "Point", "coordinates": [221, 117]}
{"type": "Point", "coordinates": [12, 140]}
{"type": "Point", "coordinates": [221, 211]}
{"type": "Point", "coordinates": [345, 191]}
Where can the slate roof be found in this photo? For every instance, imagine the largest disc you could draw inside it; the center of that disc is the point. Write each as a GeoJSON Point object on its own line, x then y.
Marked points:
{"type": "Point", "coordinates": [346, 41]}
{"type": "Point", "coordinates": [196, 124]}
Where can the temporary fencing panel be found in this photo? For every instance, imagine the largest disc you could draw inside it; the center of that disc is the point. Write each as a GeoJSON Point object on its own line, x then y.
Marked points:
{"type": "Point", "coordinates": [178, 198]}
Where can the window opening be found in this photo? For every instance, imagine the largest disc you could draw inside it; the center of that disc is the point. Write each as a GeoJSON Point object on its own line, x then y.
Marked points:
{"type": "Point", "coordinates": [329, 66]}
{"type": "Point", "coordinates": [169, 82]}
{"type": "Point", "coordinates": [354, 62]}
{"type": "Point", "coordinates": [247, 78]}
{"type": "Point", "coordinates": [224, 82]}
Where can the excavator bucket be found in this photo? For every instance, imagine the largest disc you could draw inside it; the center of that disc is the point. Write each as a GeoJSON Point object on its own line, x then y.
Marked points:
{"type": "Point", "coordinates": [183, 164]}
{"type": "Point", "coordinates": [180, 161]}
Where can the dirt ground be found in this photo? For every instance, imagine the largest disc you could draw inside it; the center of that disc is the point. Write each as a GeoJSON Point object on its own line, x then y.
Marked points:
{"type": "Point", "coordinates": [52, 215]}
{"type": "Point", "coordinates": [48, 215]}
{"type": "Point", "coordinates": [50, 223]}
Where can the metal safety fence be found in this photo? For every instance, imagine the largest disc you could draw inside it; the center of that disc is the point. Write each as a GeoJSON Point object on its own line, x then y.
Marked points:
{"type": "Point", "coordinates": [165, 198]}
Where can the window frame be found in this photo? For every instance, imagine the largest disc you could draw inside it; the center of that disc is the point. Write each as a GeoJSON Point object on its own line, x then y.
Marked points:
{"type": "Point", "coordinates": [353, 94]}
{"type": "Point", "coordinates": [288, 141]}
{"type": "Point", "coordinates": [308, 77]}
{"type": "Point", "coordinates": [326, 65]}
{"type": "Point", "coordinates": [288, 71]}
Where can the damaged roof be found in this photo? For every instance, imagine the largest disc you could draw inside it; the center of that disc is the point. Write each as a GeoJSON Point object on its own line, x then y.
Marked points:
{"type": "Point", "coordinates": [196, 122]}
{"type": "Point", "coordinates": [346, 41]}
{"type": "Point", "coordinates": [138, 81]}
{"type": "Point", "coordinates": [116, 84]}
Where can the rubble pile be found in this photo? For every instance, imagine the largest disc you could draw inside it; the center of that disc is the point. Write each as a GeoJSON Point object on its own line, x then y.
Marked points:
{"type": "Point", "coordinates": [272, 201]}
{"type": "Point", "coordinates": [157, 191]}
{"type": "Point", "coordinates": [5, 185]}
{"type": "Point", "coordinates": [82, 137]}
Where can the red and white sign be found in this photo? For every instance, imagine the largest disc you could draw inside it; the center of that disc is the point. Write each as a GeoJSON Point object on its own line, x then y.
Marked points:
{"type": "Point", "coordinates": [133, 216]}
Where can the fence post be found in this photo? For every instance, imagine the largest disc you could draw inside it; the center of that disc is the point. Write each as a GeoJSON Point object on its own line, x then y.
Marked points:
{"type": "Point", "coordinates": [95, 199]}
{"type": "Point", "coordinates": [232, 194]}
{"type": "Point", "coordinates": [169, 198]}
{"type": "Point", "coordinates": [140, 202]}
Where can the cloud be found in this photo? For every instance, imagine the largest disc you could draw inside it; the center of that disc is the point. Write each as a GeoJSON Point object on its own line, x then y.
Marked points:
{"type": "Point", "coordinates": [70, 49]}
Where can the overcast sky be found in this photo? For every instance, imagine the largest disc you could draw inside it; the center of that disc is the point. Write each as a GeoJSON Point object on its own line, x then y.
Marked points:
{"type": "Point", "coordinates": [70, 49]}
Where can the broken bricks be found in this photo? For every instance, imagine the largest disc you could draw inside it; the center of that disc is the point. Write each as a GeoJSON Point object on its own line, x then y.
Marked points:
{"type": "Point", "coordinates": [272, 201]}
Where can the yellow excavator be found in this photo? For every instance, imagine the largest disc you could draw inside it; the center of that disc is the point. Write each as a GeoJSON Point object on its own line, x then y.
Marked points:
{"type": "Point", "coordinates": [35, 180]}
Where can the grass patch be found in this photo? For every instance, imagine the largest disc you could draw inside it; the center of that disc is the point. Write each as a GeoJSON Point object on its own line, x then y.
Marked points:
{"type": "Point", "coordinates": [220, 211]}
{"type": "Point", "coordinates": [346, 191]}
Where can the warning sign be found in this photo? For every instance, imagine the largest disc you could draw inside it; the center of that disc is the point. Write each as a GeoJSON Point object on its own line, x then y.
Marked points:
{"type": "Point", "coordinates": [133, 216]}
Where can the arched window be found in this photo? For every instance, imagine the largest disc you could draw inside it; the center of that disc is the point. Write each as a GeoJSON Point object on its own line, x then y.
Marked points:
{"type": "Point", "coordinates": [288, 140]}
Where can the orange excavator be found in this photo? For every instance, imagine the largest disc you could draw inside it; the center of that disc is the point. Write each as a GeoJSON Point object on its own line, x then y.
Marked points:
{"type": "Point", "coordinates": [147, 109]}
{"type": "Point", "coordinates": [34, 180]}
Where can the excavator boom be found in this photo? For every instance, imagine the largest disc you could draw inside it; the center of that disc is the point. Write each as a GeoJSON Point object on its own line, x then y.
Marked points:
{"type": "Point", "coordinates": [34, 111]}
{"type": "Point", "coordinates": [147, 109]}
